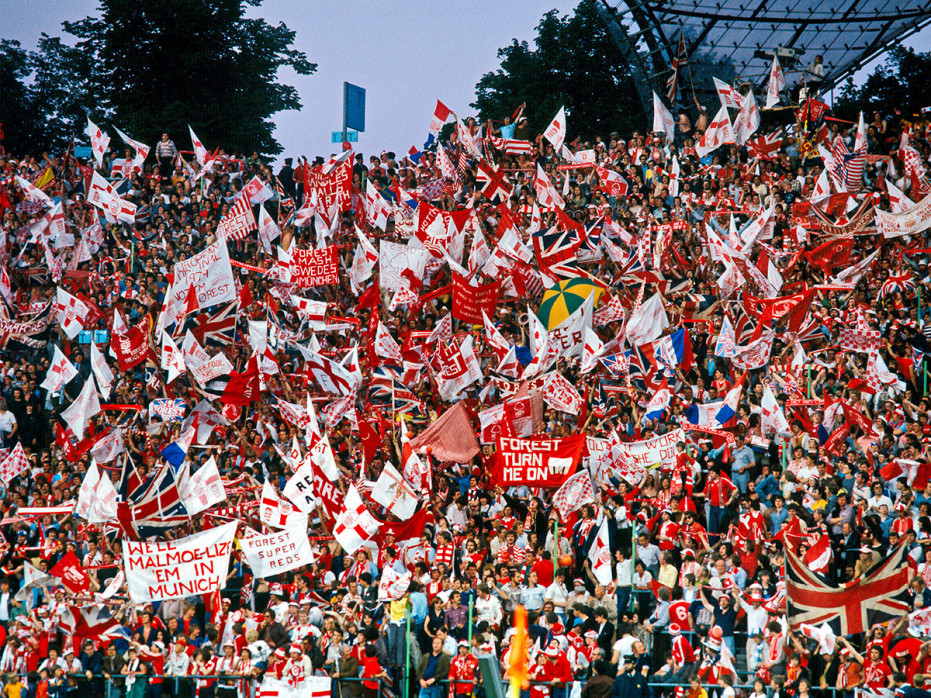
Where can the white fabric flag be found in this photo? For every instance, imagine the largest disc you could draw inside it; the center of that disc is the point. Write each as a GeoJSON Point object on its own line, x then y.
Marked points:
{"type": "Point", "coordinates": [60, 373]}
{"type": "Point", "coordinates": [748, 120]}
{"type": "Point", "coordinates": [172, 360]}
{"type": "Point", "coordinates": [777, 83]}
{"type": "Point", "coordinates": [773, 419]}
{"type": "Point", "coordinates": [99, 141]}
{"type": "Point", "coordinates": [82, 409]}
{"type": "Point", "coordinates": [203, 489]}
{"type": "Point", "coordinates": [718, 133]}
{"type": "Point", "coordinates": [647, 322]}
{"type": "Point", "coordinates": [662, 119]}
{"type": "Point", "coordinates": [355, 525]}
{"type": "Point", "coordinates": [555, 133]}
{"type": "Point", "coordinates": [101, 370]}
{"type": "Point", "coordinates": [600, 556]}
{"type": "Point", "coordinates": [97, 497]}
{"type": "Point", "coordinates": [268, 230]}
{"type": "Point", "coordinates": [393, 493]}
{"type": "Point", "coordinates": [108, 447]}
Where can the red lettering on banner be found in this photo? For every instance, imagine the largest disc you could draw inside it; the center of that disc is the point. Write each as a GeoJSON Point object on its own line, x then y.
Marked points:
{"type": "Point", "coordinates": [470, 301]}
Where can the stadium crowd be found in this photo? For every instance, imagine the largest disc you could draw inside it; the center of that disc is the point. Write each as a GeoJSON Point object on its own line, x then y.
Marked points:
{"type": "Point", "coordinates": [833, 472]}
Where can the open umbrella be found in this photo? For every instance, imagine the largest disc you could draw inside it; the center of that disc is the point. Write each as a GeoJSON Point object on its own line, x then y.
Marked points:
{"type": "Point", "coordinates": [564, 298]}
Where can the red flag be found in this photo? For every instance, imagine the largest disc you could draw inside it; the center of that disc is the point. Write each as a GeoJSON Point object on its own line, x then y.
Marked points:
{"type": "Point", "coordinates": [470, 301]}
{"type": "Point", "coordinates": [243, 388]}
{"type": "Point", "coordinates": [191, 305]}
{"type": "Point", "coordinates": [450, 438]}
{"type": "Point", "coordinates": [72, 575]}
{"type": "Point", "coordinates": [834, 253]}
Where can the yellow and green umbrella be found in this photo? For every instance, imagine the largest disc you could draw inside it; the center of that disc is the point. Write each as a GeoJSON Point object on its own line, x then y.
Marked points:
{"type": "Point", "coordinates": [564, 298]}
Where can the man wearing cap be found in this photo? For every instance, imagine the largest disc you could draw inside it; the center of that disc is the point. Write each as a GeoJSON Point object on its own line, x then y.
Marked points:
{"type": "Point", "coordinates": [557, 671]}
{"type": "Point", "coordinates": [683, 655]}
{"type": "Point", "coordinates": [752, 605]}
{"type": "Point", "coordinates": [629, 683]}
{"type": "Point", "coordinates": [463, 670]}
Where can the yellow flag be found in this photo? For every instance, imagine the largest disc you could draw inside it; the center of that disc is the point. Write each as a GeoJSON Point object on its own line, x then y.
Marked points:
{"type": "Point", "coordinates": [517, 661]}
{"type": "Point", "coordinates": [45, 178]}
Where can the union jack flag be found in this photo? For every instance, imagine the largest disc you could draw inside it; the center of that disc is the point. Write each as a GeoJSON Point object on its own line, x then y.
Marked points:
{"type": "Point", "coordinates": [902, 283]}
{"type": "Point", "coordinates": [215, 329]}
{"type": "Point", "coordinates": [878, 595]}
{"type": "Point", "coordinates": [764, 147]}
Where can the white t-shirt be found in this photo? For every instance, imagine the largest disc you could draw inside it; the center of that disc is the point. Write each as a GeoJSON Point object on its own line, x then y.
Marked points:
{"type": "Point", "coordinates": [7, 422]}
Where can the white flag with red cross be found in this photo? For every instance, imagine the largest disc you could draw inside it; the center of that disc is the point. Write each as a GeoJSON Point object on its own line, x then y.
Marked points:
{"type": "Point", "coordinates": [599, 556]}
{"type": "Point", "coordinates": [33, 193]}
{"type": "Point", "coordinates": [72, 312]}
{"type": "Point", "coordinates": [142, 150]}
{"type": "Point", "coordinates": [99, 141]}
{"type": "Point", "coordinates": [276, 511]}
{"type": "Point", "coordinates": [777, 83]}
{"type": "Point", "coordinates": [355, 525]}
{"type": "Point", "coordinates": [101, 370]}
{"type": "Point", "coordinates": [61, 372]}
{"type": "Point", "coordinates": [268, 230]}
{"type": "Point", "coordinates": [386, 347]}
{"type": "Point", "coordinates": [392, 492]}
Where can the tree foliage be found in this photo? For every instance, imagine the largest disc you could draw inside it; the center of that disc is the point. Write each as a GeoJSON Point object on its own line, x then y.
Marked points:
{"type": "Point", "coordinates": [573, 62]}
{"type": "Point", "coordinates": [157, 66]}
{"type": "Point", "coordinates": [902, 80]}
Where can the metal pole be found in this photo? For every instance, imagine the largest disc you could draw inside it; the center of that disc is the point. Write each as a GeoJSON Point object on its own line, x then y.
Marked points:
{"type": "Point", "coordinates": [471, 604]}
{"type": "Point", "coordinates": [345, 110]}
{"type": "Point", "coordinates": [633, 562]}
{"type": "Point", "coordinates": [920, 321]}
{"type": "Point", "coordinates": [809, 382]}
{"type": "Point", "coordinates": [407, 653]}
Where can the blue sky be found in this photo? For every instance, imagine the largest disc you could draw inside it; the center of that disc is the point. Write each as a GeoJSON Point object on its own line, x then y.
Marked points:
{"type": "Point", "coordinates": [406, 54]}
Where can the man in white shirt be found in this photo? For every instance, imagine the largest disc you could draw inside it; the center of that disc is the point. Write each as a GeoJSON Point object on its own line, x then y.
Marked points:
{"type": "Point", "coordinates": [488, 608]}
{"type": "Point", "coordinates": [558, 594]}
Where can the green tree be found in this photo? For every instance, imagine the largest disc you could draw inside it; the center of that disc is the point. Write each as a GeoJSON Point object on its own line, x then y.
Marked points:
{"type": "Point", "coordinates": [156, 66]}
{"type": "Point", "coordinates": [902, 81]}
{"type": "Point", "coordinates": [573, 62]}
{"type": "Point", "coordinates": [20, 125]}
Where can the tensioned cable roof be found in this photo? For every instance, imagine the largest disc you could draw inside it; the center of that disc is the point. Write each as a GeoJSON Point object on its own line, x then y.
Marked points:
{"type": "Point", "coordinates": [728, 36]}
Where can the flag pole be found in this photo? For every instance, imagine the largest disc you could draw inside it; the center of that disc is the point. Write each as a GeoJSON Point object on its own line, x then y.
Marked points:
{"type": "Point", "coordinates": [633, 561]}
{"type": "Point", "coordinates": [471, 605]}
{"type": "Point", "coordinates": [407, 654]}
{"type": "Point", "coordinates": [809, 382]}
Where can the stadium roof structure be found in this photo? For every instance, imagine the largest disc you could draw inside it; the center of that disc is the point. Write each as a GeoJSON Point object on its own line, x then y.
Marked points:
{"type": "Point", "coordinates": [734, 40]}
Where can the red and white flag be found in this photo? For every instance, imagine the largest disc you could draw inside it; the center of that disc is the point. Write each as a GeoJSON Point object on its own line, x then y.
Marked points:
{"type": "Point", "coordinates": [97, 497]}
{"type": "Point", "coordinates": [13, 464]}
{"type": "Point", "coordinates": [200, 152]}
{"type": "Point", "coordinates": [71, 311]}
{"type": "Point", "coordinates": [331, 376]}
{"type": "Point", "coordinates": [61, 372]}
{"type": "Point", "coordinates": [85, 406]}
{"type": "Point", "coordinates": [458, 368]}
{"type": "Point", "coordinates": [257, 191]}
{"type": "Point", "coordinates": [592, 346]}
{"type": "Point", "coordinates": [103, 195]}
{"type": "Point", "coordinates": [108, 447]}
{"type": "Point", "coordinates": [276, 511]}
{"type": "Point", "coordinates": [555, 133]}
{"type": "Point", "coordinates": [386, 347]}
{"type": "Point", "coordinates": [394, 494]}
{"type": "Point", "coordinates": [748, 120]}
{"type": "Point", "coordinates": [728, 95]}
{"type": "Point", "coordinates": [239, 222]}
{"type": "Point", "coordinates": [718, 133]}
{"type": "Point", "coordinates": [172, 360]}
{"type": "Point", "coordinates": [142, 150]}
{"type": "Point", "coordinates": [268, 230]}
{"type": "Point", "coordinates": [314, 312]}
{"type": "Point", "coordinates": [101, 370]}
{"type": "Point", "coordinates": [777, 83]}
{"type": "Point", "coordinates": [575, 492]}
{"type": "Point", "coordinates": [440, 115]}
{"type": "Point", "coordinates": [377, 209]}
{"type": "Point", "coordinates": [33, 193]}
{"type": "Point", "coordinates": [547, 195]}
{"type": "Point", "coordinates": [819, 555]}
{"type": "Point", "coordinates": [662, 119]}
{"type": "Point", "coordinates": [599, 555]}
{"type": "Point", "coordinates": [203, 489]}
{"type": "Point", "coordinates": [355, 525]}
{"type": "Point", "coordinates": [99, 141]}
{"type": "Point", "coordinates": [393, 584]}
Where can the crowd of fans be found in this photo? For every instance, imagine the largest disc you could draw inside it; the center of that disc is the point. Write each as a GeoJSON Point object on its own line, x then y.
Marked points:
{"type": "Point", "coordinates": [697, 602]}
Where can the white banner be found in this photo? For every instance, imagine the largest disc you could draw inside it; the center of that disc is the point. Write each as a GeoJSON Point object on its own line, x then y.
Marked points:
{"type": "Point", "coordinates": [914, 220]}
{"type": "Point", "coordinates": [277, 552]}
{"type": "Point", "coordinates": [660, 451]}
{"type": "Point", "coordinates": [212, 275]}
{"type": "Point", "coordinates": [175, 569]}
{"type": "Point", "coordinates": [394, 259]}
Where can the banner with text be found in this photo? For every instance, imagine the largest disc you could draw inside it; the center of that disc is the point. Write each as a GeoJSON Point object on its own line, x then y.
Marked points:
{"type": "Point", "coordinates": [175, 569]}
{"type": "Point", "coordinates": [277, 552]}
{"type": "Point", "coordinates": [537, 462]}
{"type": "Point", "coordinates": [660, 451]}
{"type": "Point", "coordinates": [212, 276]}
{"type": "Point", "coordinates": [470, 301]}
{"type": "Point", "coordinates": [314, 267]}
